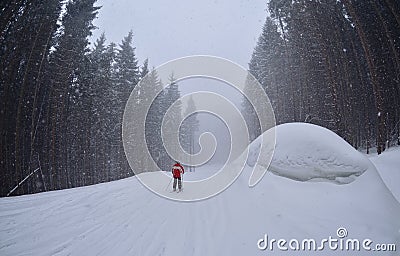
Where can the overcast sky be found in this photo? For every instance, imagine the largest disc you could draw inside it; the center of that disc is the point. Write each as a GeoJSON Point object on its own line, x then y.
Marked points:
{"type": "Point", "coordinates": [165, 30]}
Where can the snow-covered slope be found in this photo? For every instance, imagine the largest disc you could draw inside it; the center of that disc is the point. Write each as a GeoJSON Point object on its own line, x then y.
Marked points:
{"type": "Point", "coordinates": [124, 218]}
{"type": "Point", "coordinates": [388, 165]}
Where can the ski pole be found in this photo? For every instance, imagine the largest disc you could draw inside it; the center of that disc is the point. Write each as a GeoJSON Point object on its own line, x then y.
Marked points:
{"type": "Point", "coordinates": [168, 184]}
{"type": "Point", "coordinates": [182, 182]}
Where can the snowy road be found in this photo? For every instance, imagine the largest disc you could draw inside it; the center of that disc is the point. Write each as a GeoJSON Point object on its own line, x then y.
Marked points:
{"type": "Point", "coordinates": [124, 218]}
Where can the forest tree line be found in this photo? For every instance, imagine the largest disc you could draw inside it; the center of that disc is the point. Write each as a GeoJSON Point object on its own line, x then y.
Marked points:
{"type": "Point", "coordinates": [62, 99]}
{"type": "Point", "coordinates": [335, 64]}
{"type": "Point", "coordinates": [332, 63]}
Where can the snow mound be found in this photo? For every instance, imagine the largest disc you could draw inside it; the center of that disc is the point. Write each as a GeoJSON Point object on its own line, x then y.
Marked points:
{"type": "Point", "coordinates": [307, 152]}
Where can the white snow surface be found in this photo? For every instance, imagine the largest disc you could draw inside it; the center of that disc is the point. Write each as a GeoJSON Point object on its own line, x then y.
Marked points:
{"type": "Point", "coordinates": [388, 164]}
{"type": "Point", "coordinates": [125, 218]}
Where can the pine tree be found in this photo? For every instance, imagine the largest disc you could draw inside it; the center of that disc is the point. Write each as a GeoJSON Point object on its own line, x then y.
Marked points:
{"type": "Point", "coordinates": [69, 84]}
{"type": "Point", "coordinates": [154, 119]}
{"type": "Point", "coordinates": [169, 96]}
{"type": "Point", "coordinates": [189, 128]}
{"type": "Point", "coordinates": [377, 26]}
{"type": "Point", "coordinates": [26, 30]}
{"type": "Point", "coordinates": [127, 67]}
{"type": "Point", "coordinates": [126, 78]}
{"type": "Point", "coordinates": [265, 65]}
{"type": "Point", "coordinates": [328, 69]}
{"type": "Point", "coordinates": [113, 113]}
{"type": "Point", "coordinates": [144, 69]}
{"type": "Point", "coordinates": [101, 102]}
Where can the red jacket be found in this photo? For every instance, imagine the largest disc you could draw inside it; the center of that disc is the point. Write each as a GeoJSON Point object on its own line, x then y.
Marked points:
{"type": "Point", "coordinates": [177, 169]}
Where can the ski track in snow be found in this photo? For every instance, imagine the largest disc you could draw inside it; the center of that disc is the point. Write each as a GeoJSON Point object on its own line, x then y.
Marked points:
{"type": "Point", "coordinates": [125, 218]}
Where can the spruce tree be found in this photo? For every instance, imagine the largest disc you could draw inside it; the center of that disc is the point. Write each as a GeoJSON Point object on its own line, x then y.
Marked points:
{"type": "Point", "coordinates": [127, 67]}
{"type": "Point", "coordinates": [144, 69]}
{"type": "Point", "coordinates": [189, 128]}
{"type": "Point", "coordinates": [126, 78]}
{"type": "Point", "coordinates": [265, 65]}
{"type": "Point", "coordinates": [26, 30]}
{"type": "Point", "coordinates": [168, 97]}
{"type": "Point", "coordinates": [69, 79]}
{"type": "Point", "coordinates": [153, 119]}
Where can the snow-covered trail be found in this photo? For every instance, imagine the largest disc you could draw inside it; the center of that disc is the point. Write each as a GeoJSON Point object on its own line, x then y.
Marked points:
{"type": "Point", "coordinates": [120, 218]}
{"type": "Point", "coordinates": [125, 218]}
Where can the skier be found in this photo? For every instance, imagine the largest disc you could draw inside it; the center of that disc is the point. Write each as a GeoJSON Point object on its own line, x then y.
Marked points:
{"type": "Point", "coordinates": [177, 171]}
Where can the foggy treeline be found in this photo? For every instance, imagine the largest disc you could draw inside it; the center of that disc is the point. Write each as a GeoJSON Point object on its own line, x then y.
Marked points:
{"type": "Point", "coordinates": [335, 64]}
{"type": "Point", "coordinates": [62, 100]}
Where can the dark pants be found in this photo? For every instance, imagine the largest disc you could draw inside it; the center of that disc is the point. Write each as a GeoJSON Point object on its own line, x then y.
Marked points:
{"type": "Point", "coordinates": [179, 183]}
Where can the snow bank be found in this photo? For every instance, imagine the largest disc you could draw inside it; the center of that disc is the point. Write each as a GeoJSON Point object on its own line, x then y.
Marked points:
{"type": "Point", "coordinates": [388, 165]}
{"type": "Point", "coordinates": [306, 152]}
